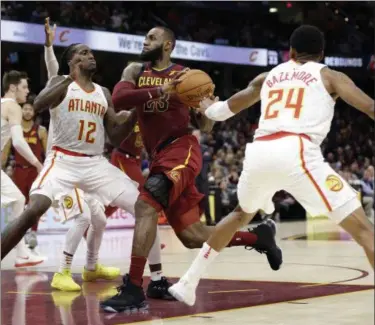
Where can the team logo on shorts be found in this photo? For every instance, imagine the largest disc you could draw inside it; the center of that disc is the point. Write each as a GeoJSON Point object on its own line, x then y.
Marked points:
{"type": "Point", "coordinates": [175, 175]}
{"type": "Point", "coordinates": [334, 183]}
{"type": "Point", "coordinates": [68, 202]}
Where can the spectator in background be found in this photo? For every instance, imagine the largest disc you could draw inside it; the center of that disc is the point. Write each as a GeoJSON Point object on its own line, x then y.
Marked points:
{"type": "Point", "coordinates": [367, 184]}
{"type": "Point", "coordinates": [202, 179]}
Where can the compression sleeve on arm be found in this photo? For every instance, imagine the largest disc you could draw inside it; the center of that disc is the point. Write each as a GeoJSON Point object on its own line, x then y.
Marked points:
{"type": "Point", "coordinates": [20, 144]}
{"type": "Point", "coordinates": [126, 96]}
{"type": "Point", "coordinates": [219, 111]}
{"type": "Point", "coordinates": [51, 61]}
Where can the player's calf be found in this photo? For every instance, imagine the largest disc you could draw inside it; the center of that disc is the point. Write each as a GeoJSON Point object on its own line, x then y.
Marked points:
{"type": "Point", "coordinates": [362, 231]}
{"type": "Point", "coordinates": [17, 229]}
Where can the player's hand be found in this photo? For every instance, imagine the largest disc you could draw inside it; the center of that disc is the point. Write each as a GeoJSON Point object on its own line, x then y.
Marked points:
{"type": "Point", "coordinates": [206, 103]}
{"type": "Point", "coordinates": [75, 66]}
{"type": "Point", "coordinates": [39, 167]}
{"type": "Point", "coordinates": [170, 87]}
{"type": "Point", "coordinates": [50, 32]}
{"type": "Point", "coordinates": [122, 117]}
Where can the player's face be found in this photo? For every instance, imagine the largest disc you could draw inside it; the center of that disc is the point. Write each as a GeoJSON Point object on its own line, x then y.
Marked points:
{"type": "Point", "coordinates": [86, 57]}
{"type": "Point", "coordinates": [22, 91]}
{"type": "Point", "coordinates": [27, 112]}
{"type": "Point", "coordinates": [153, 46]}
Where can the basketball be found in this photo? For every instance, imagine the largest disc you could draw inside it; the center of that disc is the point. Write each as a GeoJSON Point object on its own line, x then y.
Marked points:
{"type": "Point", "coordinates": [195, 85]}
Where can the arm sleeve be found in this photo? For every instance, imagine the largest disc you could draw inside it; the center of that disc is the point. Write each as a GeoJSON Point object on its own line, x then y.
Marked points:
{"type": "Point", "coordinates": [126, 96]}
{"type": "Point", "coordinates": [51, 61]}
{"type": "Point", "coordinates": [20, 144]}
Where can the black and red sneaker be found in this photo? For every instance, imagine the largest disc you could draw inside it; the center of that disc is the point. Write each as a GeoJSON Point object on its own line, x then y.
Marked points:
{"type": "Point", "coordinates": [129, 297]}
{"type": "Point", "coordinates": [266, 243]}
{"type": "Point", "coordinates": [159, 289]}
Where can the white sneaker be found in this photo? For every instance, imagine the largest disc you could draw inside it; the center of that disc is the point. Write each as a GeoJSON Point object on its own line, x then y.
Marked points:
{"type": "Point", "coordinates": [36, 253]}
{"type": "Point", "coordinates": [184, 291]}
{"type": "Point", "coordinates": [30, 260]}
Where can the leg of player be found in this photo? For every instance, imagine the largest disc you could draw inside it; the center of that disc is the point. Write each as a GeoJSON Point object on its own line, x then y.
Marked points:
{"type": "Point", "coordinates": [158, 286]}
{"type": "Point", "coordinates": [15, 230]}
{"type": "Point", "coordinates": [63, 280]}
{"type": "Point", "coordinates": [24, 257]}
{"type": "Point", "coordinates": [362, 231]}
{"type": "Point", "coordinates": [193, 234]}
{"type": "Point", "coordinates": [131, 294]}
{"type": "Point", "coordinates": [185, 289]}
{"type": "Point", "coordinates": [93, 270]}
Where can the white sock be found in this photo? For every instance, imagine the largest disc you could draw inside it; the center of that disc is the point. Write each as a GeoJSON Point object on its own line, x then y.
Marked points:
{"type": "Point", "coordinates": [95, 233]}
{"type": "Point", "coordinates": [73, 238]}
{"type": "Point", "coordinates": [205, 257]}
{"type": "Point", "coordinates": [156, 276]}
{"type": "Point", "coordinates": [17, 208]}
{"type": "Point", "coordinates": [154, 257]}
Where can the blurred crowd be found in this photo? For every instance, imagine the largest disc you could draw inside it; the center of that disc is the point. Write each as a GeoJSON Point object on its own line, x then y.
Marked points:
{"type": "Point", "coordinates": [255, 25]}
{"type": "Point", "coordinates": [349, 147]}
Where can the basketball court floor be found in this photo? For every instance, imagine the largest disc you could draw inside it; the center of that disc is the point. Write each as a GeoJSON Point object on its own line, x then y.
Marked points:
{"type": "Point", "coordinates": [325, 279]}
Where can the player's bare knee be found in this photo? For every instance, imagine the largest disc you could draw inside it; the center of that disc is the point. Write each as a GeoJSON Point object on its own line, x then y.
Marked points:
{"type": "Point", "coordinates": [37, 206]}
{"type": "Point", "coordinates": [158, 186]}
{"type": "Point", "coordinates": [144, 209]}
{"type": "Point", "coordinates": [191, 242]}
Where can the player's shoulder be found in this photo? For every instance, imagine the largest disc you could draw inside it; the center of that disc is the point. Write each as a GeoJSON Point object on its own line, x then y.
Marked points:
{"type": "Point", "coordinates": [131, 71]}
{"type": "Point", "coordinates": [10, 105]}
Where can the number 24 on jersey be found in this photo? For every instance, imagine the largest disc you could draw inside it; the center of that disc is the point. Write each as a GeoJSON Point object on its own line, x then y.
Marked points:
{"type": "Point", "coordinates": [288, 98]}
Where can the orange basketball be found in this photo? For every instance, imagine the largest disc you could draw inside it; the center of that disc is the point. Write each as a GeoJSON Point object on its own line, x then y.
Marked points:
{"type": "Point", "coordinates": [195, 85]}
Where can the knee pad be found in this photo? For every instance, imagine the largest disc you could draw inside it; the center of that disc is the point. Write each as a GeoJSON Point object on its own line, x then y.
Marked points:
{"type": "Point", "coordinates": [158, 185]}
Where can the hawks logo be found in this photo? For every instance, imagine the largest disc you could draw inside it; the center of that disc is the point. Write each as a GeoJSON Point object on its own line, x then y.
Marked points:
{"type": "Point", "coordinates": [68, 202]}
{"type": "Point", "coordinates": [333, 183]}
{"type": "Point", "coordinates": [175, 175]}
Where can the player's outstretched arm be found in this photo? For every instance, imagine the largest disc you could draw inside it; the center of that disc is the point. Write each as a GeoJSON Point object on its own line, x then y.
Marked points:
{"type": "Point", "coordinates": [118, 126]}
{"type": "Point", "coordinates": [221, 111]}
{"type": "Point", "coordinates": [202, 122]}
{"type": "Point", "coordinates": [125, 96]}
{"type": "Point", "coordinates": [338, 83]}
{"type": "Point", "coordinates": [49, 55]}
{"type": "Point", "coordinates": [53, 93]}
{"type": "Point", "coordinates": [14, 115]}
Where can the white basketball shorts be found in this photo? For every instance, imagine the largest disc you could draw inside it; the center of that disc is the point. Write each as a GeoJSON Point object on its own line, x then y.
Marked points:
{"type": "Point", "coordinates": [9, 191]}
{"type": "Point", "coordinates": [95, 176]}
{"type": "Point", "coordinates": [296, 165]}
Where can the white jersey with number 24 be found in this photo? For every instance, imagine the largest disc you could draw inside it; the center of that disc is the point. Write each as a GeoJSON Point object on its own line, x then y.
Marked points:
{"type": "Point", "coordinates": [294, 99]}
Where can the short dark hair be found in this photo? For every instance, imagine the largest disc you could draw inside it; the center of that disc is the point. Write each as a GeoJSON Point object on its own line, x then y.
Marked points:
{"type": "Point", "coordinates": [66, 56]}
{"type": "Point", "coordinates": [170, 36]}
{"type": "Point", "coordinates": [13, 77]}
{"type": "Point", "coordinates": [307, 39]}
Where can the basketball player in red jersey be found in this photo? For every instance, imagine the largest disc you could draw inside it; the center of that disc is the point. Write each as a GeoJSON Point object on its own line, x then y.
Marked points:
{"type": "Point", "coordinates": [24, 173]}
{"type": "Point", "coordinates": [176, 161]}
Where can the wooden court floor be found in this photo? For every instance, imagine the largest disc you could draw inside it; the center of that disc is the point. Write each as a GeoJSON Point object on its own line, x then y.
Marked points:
{"type": "Point", "coordinates": [325, 279]}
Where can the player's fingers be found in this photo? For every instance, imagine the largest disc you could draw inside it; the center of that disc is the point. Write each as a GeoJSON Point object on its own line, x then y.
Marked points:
{"type": "Point", "coordinates": [54, 27]}
{"type": "Point", "coordinates": [181, 73]}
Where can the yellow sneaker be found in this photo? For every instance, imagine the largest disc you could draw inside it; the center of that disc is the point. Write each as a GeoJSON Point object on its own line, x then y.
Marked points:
{"type": "Point", "coordinates": [63, 281]}
{"type": "Point", "coordinates": [101, 272]}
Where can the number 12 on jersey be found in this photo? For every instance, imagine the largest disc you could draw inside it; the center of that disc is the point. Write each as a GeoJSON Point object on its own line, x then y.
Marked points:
{"type": "Point", "coordinates": [85, 132]}
{"type": "Point", "coordinates": [293, 99]}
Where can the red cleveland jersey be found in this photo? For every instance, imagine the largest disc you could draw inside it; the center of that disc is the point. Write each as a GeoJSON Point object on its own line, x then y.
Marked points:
{"type": "Point", "coordinates": [161, 118]}
{"type": "Point", "coordinates": [32, 138]}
